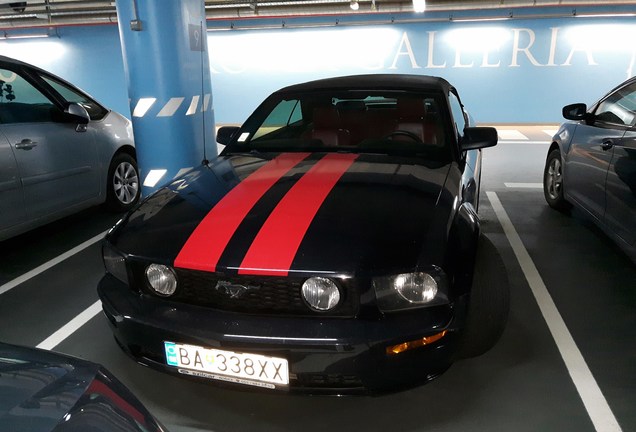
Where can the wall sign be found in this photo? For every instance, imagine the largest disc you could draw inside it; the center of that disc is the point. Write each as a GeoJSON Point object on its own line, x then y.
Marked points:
{"type": "Point", "coordinates": [196, 38]}
{"type": "Point", "coordinates": [513, 71]}
{"type": "Point", "coordinates": [507, 71]}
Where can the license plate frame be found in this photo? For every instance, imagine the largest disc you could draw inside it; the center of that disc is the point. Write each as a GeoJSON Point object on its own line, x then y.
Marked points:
{"type": "Point", "coordinates": [230, 366]}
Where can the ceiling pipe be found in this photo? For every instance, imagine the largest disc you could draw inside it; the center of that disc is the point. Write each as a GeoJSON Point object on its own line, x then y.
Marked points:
{"type": "Point", "coordinates": [59, 13]}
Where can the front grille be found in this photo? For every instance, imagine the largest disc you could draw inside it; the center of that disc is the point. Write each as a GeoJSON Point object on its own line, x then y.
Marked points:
{"type": "Point", "coordinates": [258, 295]}
{"type": "Point", "coordinates": [328, 380]}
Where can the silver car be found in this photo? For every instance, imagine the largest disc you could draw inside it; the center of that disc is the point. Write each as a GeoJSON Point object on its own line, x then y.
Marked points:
{"type": "Point", "coordinates": [60, 151]}
{"type": "Point", "coordinates": [591, 164]}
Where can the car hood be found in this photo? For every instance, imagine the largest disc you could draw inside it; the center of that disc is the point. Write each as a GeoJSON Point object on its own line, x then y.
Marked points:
{"type": "Point", "coordinates": [43, 391]}
{"type": "Point", "coordinates": [295, 213]}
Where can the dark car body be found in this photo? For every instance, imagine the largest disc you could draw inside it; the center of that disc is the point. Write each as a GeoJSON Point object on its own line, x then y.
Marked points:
{"type": "Point", "coordinates": [597, 153]}
{"type": "Point", "coordinates": [42, 391]}
{"type": "Point", "coordinates": [347, 204]}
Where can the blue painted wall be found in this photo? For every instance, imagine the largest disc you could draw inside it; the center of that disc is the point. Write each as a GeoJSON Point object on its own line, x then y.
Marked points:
{"type": "Point", "coordinates": [510, 71]}
{"type": "Point", "coordinates": [515, 71]}
{"type": "Point", "coordinates": [87, 56]}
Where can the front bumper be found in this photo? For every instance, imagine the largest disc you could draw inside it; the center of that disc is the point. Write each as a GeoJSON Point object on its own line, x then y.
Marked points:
{"type": "Point", "coordinates": [325, 355]}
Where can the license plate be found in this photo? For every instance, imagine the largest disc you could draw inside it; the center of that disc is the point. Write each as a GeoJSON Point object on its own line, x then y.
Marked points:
{"type": "Point", "coordinates": [243, 368]}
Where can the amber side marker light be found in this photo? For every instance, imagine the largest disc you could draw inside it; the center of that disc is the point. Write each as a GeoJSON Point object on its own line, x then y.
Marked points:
{"type": "Point", "coordinates": [405, 346]}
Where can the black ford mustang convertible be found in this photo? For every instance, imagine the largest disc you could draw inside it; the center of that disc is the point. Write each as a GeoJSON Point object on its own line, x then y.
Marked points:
{"type": "Point", "coordinates": [334, 246]}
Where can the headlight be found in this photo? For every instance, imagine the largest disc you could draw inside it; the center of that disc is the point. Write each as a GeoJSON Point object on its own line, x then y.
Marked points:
{"type": "Point", "coordinates": [416, 287]}
{"type": "Point", "coordinates": [114, 262]}
{"type": "Point", "coordinates": [321, 293]}
{"type": "Point", "coordinates": [410, 290]}
{"type": "Point", "coordinates": [162, 279]}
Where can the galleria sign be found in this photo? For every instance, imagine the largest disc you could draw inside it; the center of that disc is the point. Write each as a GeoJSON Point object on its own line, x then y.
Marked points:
{"type": "Point", "coordinates": [408, 48]}
{"type": "Point", "coordinates": [523, 47]}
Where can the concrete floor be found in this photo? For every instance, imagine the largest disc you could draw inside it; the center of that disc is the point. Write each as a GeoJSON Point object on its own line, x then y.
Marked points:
{"type": "Point", "coordinates": [523, 384]}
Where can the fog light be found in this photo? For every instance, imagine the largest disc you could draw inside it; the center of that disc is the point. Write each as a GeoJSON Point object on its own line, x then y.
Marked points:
{"type": "Point", "coordinates": [406, 346]}
{"type": "Point", "coordinates": [161, 279]}
{"type": "Point", "coordinates": [321, 293]}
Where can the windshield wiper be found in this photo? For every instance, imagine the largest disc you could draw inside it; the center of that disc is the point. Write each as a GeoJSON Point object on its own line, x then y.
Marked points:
{"type": "Point", "coordinates": [248, 152]}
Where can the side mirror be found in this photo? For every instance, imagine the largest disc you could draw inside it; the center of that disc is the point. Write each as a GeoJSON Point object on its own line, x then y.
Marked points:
{"type": "Point", "coordinates": [577, 111]}
{"type": "Point", "coordinates": [479, 137]}
{"type": "Point", "coordinates": [224, 134]}
{"type": "Point", "coordinates": [77, 113]}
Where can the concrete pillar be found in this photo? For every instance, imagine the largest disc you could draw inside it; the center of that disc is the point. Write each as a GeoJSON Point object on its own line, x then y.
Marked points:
{"type": "Point", "coordinates": [164, 46]}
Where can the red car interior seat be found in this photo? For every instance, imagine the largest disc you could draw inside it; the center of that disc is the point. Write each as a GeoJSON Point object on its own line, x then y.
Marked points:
{"type": "Point", "coordinates": [412, 117]}
{"type": "Point", "coordinates": [327, 127]}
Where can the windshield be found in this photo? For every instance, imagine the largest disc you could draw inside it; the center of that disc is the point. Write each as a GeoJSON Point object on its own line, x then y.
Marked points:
{"type": "Point", "coordinates": [348, 121]}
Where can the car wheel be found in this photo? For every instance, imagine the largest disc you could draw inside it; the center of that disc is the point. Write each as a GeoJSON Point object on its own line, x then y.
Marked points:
{"type": "Point", "coordinates": [489, 302]}
{"type": "Point", "coordinates": [553, 181]}
{"type": "Point", "coordinates": [123, 183]}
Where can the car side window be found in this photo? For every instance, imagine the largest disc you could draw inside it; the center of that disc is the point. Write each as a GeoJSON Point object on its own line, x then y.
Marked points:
{"type": "Point", "coordinates": [458, 114]}
{"type": "Point", "coordinates": [285, 113]}
{"type": "Point", "coordinates": [95, 110]}
{"type": "Point", "coordinates": [21, 102]}
{"type": "Point", "coordinates": [619, 108]}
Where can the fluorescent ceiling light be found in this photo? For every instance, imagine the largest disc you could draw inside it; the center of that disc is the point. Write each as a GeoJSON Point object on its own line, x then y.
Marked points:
{"type": "Point", "coordinates": [479, 19]}
{"type": "Point", "coordinates": [419, 5]}
{"type": "Point", "coordinates": [616, 15]}
{"type": "Point", "coordinates": [240, 4]}
{"type": "Point", "coordinates": [23, 36]}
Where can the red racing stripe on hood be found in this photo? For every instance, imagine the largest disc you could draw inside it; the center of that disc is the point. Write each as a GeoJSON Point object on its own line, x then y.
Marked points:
{"type": "Point", "coordinates": [276, 244]}
{"type": "Point", "coordinates": [209, 239]}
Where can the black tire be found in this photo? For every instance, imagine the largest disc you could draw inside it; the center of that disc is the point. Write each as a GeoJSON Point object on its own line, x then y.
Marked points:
{"type": "Point", "coordinates": [553, 182]}
{"type": "Point", "coordinates": [123, 188]}
{"type": "Point", "coordinates": [489, 303]}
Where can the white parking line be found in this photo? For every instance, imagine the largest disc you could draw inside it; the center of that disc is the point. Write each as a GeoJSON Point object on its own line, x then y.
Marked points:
{"type": "Point", "coordinates": [71, 327]}
{"type": "Point", "coordinates": [511, 134]}
{"type": "Point", "coordinates": [550, 132]}
{"type": "Point", "coordinates": [524, 185]}
{"type": "Point", "coordinates": [595, 403]}
{"type": "Point", "coordinates": [47, 265]}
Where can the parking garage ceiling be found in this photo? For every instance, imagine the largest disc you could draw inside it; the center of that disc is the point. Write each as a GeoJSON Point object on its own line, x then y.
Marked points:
{"type": "Point", "coordinates": [33, 13]}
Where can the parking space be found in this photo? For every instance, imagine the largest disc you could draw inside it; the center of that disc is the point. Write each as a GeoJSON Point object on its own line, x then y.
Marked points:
{"type": "Point", "coordinates": [523, 384]}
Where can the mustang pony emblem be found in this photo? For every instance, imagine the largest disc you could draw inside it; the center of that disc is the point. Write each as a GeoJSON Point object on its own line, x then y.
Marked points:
{"type": "Point", "coordinates": [234, 290]}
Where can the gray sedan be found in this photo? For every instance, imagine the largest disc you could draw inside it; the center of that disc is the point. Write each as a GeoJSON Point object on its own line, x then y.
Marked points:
{"type": "Point", "coordinates": [592, 164]}
{"type": "Point", "coordinates": [60, 151]}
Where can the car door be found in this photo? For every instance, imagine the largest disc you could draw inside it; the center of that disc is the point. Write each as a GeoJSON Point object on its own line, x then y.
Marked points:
{"type": "Point", "coordinates": [471, 176]}
{"type": "Point", "coordinates": [590, 153]}
{"type": "Point", "coordinates": [12, 210]}
{"type": "Point", "coordinates": [620, 215]}
{"type": "Point", "coordinates": [57, 159]}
